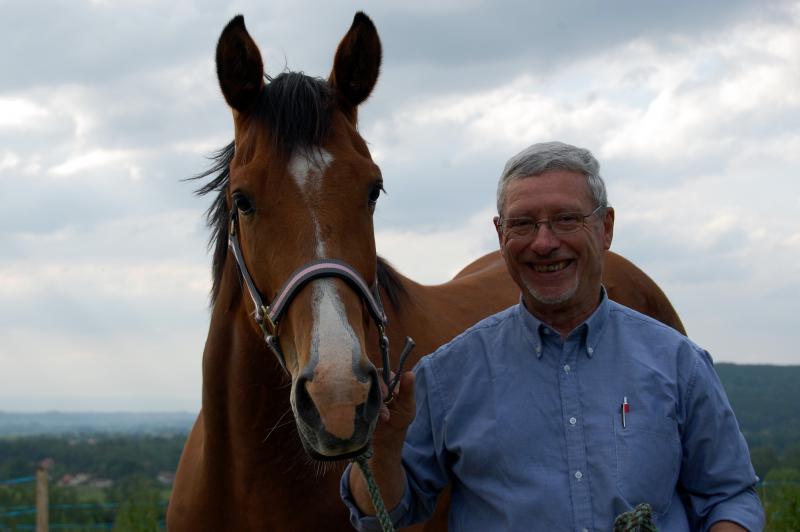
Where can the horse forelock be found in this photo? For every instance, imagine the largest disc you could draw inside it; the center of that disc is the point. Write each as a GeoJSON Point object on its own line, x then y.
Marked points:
{"type": "Point", "coordinates": [296, 111]}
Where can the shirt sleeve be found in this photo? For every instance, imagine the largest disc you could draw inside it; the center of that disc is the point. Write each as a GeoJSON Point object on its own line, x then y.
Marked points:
{"type": "Point", "coordinates": [717, 477]}
{"type": "Point", "coordinates": [426, 475]}
{"type": "Point", "coordinates": [364, 522]}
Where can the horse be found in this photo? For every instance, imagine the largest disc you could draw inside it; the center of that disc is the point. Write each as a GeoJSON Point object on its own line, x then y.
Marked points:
{"type": "Point", "coordinates": [301, 305]}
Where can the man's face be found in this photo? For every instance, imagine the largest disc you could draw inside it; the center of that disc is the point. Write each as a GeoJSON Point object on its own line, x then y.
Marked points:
{"type": "Point", "coordinates": [556, 271]}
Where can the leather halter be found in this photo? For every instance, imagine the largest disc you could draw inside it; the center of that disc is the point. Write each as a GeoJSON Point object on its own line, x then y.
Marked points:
{"type": "Point", "coordinates": [268, 316]}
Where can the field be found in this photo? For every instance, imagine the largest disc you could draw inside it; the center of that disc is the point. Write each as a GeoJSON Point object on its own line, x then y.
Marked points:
{"type": "Point", "coordinates": [97, 481]}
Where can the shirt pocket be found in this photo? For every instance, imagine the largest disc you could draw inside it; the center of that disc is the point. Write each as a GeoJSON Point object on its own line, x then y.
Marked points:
{"type": "Point", "coordinates": [648, 452]}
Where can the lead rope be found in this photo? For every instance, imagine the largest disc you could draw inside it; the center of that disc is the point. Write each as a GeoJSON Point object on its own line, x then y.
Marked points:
{"type": "Point", "coordinates": [374, 491]}
{"type": "Point", "coordinates": [363, 459]}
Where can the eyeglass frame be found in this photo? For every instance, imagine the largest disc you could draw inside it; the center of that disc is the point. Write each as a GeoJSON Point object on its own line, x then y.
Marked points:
{"type": "Point", "coordinates": [500, 223]}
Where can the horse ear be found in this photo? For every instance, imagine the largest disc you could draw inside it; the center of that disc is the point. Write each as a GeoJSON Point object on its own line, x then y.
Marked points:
{"type": "Point", "coordinates": [239, 67]}
{"type": "Point", "coordinates": [357, 63]}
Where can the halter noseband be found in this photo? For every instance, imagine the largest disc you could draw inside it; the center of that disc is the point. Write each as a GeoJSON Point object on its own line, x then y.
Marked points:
{"type": "Point", "coordinates": [268, 316]}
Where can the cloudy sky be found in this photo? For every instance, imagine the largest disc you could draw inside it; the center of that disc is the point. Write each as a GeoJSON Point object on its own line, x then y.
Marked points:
{"type": "Point", "coordinates": [693, 109]}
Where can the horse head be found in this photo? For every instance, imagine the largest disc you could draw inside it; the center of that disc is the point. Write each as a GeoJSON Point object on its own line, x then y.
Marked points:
{"type": "Point", "coordinates": [300, 189]}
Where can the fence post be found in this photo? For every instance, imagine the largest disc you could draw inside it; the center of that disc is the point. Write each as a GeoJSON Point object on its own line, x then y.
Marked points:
{"type": "Point", "coordinates": [42, 500]}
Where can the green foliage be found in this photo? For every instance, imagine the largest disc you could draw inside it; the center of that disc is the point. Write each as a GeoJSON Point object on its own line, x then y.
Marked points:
{"type": "Point", "coordinates": [780, 494]}
{"type": "Point", "coordinates": [136, 502]}
{"type": "Point", "coordinates": [142, 509]}
{"type": "Point", "coordinates": [764, 459]}
{"type": "Point", "coordinates": [765, 399]}
{"type": "Point", "coordinates": [113, 457]}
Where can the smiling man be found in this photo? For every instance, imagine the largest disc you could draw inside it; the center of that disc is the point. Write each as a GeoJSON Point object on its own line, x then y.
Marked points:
{"type": "Point", "coordinates": [568, 409]}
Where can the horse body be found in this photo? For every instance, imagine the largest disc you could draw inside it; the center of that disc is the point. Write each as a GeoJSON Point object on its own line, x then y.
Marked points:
{"type": "Point", "coordinates": [298, 185]}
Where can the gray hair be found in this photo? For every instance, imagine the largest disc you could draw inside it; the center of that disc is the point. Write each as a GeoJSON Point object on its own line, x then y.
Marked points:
{"type": "Point", "coordinates": [539, 158]}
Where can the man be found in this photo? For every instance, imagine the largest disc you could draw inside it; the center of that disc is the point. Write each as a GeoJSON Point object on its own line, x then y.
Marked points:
{"type": "Point", "coordinates": [568, 409]}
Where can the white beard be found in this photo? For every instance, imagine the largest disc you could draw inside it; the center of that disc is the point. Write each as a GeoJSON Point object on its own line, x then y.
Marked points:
{"type": "Point", "coordinates": [551, 300]}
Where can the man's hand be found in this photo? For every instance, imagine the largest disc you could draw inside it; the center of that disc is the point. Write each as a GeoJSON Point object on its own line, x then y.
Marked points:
{"type": "Point", "coordinates": [387, 446]}
{"type": "Point", "coordinates": [395, 415]}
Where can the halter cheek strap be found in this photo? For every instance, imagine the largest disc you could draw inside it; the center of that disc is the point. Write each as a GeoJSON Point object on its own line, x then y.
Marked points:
{"type": "Point", "coordinates": [268, 316]}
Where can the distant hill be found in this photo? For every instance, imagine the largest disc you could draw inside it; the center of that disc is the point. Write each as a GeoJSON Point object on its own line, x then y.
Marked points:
{"type": "Point", "coordinates": [766, 400]}
{"type": "Point", "coordinates": [31, 424]}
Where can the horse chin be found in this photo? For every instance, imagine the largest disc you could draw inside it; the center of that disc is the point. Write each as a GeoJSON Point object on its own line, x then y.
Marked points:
{"type": "Point", "coordinates": [339, 457]}
{"type": "Point", "coordinates": [325, 447]}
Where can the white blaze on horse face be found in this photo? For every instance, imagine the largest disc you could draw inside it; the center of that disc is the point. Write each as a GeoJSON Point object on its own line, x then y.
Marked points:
{"type": "Point", "coordinates": [334, 388]}
{"type": "Point", "coordinates": [335, 346]}
{"type": "Point", "coordinates": [308, 168]}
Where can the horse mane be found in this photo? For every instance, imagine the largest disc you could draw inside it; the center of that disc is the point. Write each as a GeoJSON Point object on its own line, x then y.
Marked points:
{"type": "Point", "coordinates": [296, 111]}
{"type": "Point", "coordinates": [389, 280]}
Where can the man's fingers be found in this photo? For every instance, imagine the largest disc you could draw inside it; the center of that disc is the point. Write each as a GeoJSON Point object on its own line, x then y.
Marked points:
{"type": "Point", "coordinates": [404, 402]}
{"type": "Point", "coordinates": [405, 386]}
{"type": "Point", "coordinates": [400, 409]}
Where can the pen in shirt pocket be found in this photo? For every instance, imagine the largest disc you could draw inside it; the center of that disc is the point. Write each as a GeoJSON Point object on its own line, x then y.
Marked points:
{"type": "Point", "coordinates": [626, 408]}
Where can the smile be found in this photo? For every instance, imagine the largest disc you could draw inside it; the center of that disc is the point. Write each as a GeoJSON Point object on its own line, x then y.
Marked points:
{"type": "Point", "coordinates": [547, 268]}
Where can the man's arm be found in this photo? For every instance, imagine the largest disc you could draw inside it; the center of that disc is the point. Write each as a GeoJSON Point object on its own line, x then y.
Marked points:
{"type": "Point", "coordinates": [717, 475]}
{"type": "Point", "coordinates": [387, 446]}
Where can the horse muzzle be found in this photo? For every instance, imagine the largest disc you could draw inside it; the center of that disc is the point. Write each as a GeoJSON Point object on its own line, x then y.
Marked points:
{"type": "Point", "coordinates": [336, 415]}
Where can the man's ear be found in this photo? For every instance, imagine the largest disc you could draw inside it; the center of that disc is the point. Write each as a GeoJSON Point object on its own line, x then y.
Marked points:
{"type": "Point", "coordinates": [608, 228]}
{"type": "Point", "coordinates": [499, 231]}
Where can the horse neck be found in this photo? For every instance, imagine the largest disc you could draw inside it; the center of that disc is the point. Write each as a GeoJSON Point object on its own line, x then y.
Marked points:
{"type": "Point", "coordinates": [246, 406]}
{"type": "Point", "coordinates": [434, 314]}
{"type": "Point", "coordinates": [420, 314]}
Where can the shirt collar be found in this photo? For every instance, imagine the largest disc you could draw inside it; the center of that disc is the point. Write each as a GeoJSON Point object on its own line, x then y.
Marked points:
{"type": "Point", "coordinates": [590, 330]}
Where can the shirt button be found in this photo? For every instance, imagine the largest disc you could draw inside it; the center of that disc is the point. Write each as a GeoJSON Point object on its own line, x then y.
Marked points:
{"type": "Point", "coordinates": [578, 475]}
{"type": "Point", "coordinates": [566, 368]}
{"type": "Point", "coordinates": [572, 421]}
{"type": "Point", "coordinates": [584, 530]}
{"type": "Point", "coordinates": [590, 350]}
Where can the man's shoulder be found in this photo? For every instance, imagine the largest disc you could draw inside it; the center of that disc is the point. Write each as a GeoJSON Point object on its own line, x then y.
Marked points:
{"type": "Point", "coordinates": [633, 321]}
{"type": "Point", "coordinates": [660, 339]}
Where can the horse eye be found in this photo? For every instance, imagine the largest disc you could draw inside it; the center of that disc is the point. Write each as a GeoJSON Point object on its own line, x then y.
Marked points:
{"type": "Point", "coordinates": [375, 193]}
{"type": "Point", "coordinates": [242, 203]}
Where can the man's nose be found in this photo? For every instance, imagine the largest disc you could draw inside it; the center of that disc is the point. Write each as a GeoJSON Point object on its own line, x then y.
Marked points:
{"type": "Point", "coordinates": [544, 240]}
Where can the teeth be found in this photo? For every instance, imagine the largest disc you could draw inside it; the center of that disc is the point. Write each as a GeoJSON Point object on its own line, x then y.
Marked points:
{"type": "Point", "coordinates": [551, 267]}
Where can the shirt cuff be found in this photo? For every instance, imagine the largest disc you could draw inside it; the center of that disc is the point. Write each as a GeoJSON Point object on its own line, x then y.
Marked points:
{"type": "Point", "coordinates": [369, 522]}
{"type": "Point", "coordinates": [745, 509]}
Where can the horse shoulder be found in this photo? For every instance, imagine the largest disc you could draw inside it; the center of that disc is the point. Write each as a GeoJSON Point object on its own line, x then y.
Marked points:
{"type": "Point", "coordinates": [483, 265]}
{"type": "Point", "coordinates": [187, 505]}
{"type": "Point", "coordinates": [630, 286]}
{"type": "Point", "coordinates": [434, 314]}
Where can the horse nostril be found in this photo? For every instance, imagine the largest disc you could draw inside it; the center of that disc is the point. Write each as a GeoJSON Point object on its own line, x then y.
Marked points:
{"type": "Point", "coordinates": [302, 398]}
{"type": "Point", "coordinates": [373, 402]}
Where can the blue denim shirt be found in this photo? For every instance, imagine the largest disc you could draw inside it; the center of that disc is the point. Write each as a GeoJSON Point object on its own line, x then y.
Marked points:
{"type": "Point", "coordinates": [529, 430]}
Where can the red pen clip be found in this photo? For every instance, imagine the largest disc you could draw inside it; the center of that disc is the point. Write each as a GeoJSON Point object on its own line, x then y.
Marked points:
{"type": "Point", "coordinates": [626, 408]}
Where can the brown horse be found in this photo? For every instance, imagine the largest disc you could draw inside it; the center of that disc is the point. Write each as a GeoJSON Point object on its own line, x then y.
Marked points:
{"type": "Point", "coordinates": [296, 192]}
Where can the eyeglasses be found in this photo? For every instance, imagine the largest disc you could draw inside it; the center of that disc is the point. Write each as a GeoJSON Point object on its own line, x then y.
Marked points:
{"type": "Point", "coordinates": [559, 224]}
